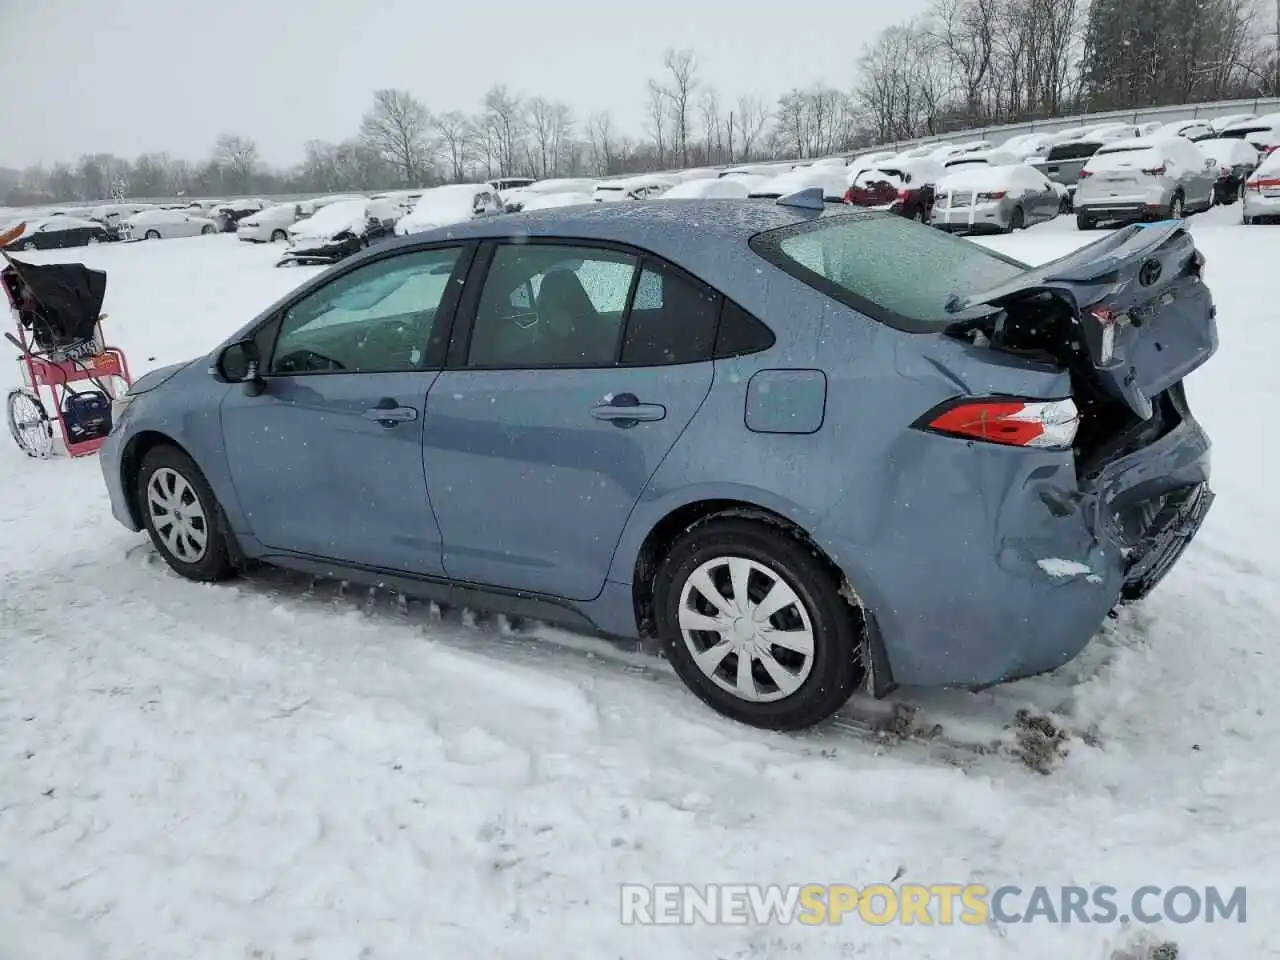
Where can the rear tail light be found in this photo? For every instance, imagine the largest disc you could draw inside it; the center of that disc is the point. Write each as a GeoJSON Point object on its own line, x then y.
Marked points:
{"type": "Point", "coordinates": [1263, 183]}
{"type": "Point", "coordinates": [1155, 171]}
{"type": "Point", "coordinates": [848, 196]}
{"type": "Point", "coordinates": [1010, 421]}
{"type": "Point", "coordinates": [904, 196]}
{"type": "Point", "coordinates": [1085, 174]}
{"type": "Point", "coordinates": [995, 195]}
{"type": "Point", "coordinates": [1269, 149]}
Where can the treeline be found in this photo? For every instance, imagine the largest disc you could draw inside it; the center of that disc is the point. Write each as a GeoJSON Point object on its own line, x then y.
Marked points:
{"type": "Point", "coordinates": [966, 63]}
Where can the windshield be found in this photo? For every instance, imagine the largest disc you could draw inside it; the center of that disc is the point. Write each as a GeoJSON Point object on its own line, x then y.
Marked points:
{"type": "Point", "coordinates": [886, 267]}
{"type": "Point", "coordinates": [1075, 150]}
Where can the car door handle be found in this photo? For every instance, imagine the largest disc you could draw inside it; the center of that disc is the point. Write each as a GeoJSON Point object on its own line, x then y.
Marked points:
{"type": "Point", "coordinates": [388, 414]}
{"type": "Point", "coordinates": [625, 410]}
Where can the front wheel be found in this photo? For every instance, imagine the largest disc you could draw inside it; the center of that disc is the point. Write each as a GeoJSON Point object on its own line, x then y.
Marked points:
{"type": "Point", "coordinates": [755, 626]}
{"type": "Point", "coordinates": [180, 513]}
{"type": "Point", "coordinates": [152, 235]}
{"type": "Point", "coordinates": [206, 230]}
{"type": "Point", "coordinates": [1085, 222]}
{"type": "Point", "coordinates": [279, 236]}
{"type": "Point", "coordinates": [29, 424]}
{"type": "Point", "coordinates": [1176, 207]}
{"type": "Point", "coordinates": [1017, 220]}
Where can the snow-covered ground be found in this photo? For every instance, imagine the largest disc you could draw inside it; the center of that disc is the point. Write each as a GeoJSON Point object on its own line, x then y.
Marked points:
{"type": "Point", "coordinates": [280, 769]}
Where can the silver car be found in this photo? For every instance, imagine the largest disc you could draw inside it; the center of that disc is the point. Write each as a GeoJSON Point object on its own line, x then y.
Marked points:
{"type": "Point", "coordinates": [980, 198]}
{"type": "Point", "coordinates": [1144, 179]}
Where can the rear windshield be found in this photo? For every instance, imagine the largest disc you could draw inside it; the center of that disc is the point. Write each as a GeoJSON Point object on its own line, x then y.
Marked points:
{"type": "Point", "coordinates": [1073, 151]}
{"type": "Point", "coordinates": [1106, 151]}
{"type": "Point", "coordinates": [890, 268]}
{"type": "Point", "coordinates": [1241, 132]}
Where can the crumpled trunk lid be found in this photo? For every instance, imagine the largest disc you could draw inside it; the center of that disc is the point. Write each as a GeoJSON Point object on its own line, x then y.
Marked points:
{"type": "Point", "coordinates": [1145, 317]}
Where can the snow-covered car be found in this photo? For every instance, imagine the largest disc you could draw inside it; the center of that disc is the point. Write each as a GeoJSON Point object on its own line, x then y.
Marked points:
{"type": "Point", "coordinates": [755, 170]}
{"type": "Point", "coordinates": [230, 212]}
{"type": "Point", "coordinates": [1235, 159]}
{"type": "Point", "coordinates": [110, 214]}
{"type": "Point", "coordinates": [1027, 145]}
{"type": "Point", "coordinates": [721, 188]}
{"type": "Point", "coordinates": [395, 204]}
{"type": "Point", "coordinates": [979, 198]}
{"type": "Point", "coordinates": [165, 225]}
{"type": "Point", "coordinates": [696, 173]}
{"type": "Point", "coordinates": [1263, 132]}
{"type": "Point", "coordinates": [514, 200]}
{"type": "Point", "coordinates": [1221, 123]}
{"type": "Point", "coordinates": [1261, 193]}
{"type": "Point", "coordinates": [54, 233]}
{"type": "Point", "coordinates": [454, 203]}
{"type": "Point", "coordinates": [503, 184]}
{"type": "Point", "coordinates": [1146, 178]}
{"type": "Point", "coordinates": [550, 201]}
{"type": "Point", "coordinates": [833, 182]}
{"type": "Point", "coordinates": [987, 158]}
{"type": "Point", "coordinates": [270, 225]}
{"type": "Point", "coordinates": [308, 207]}
{"type": "Point", "coordinates": [333, 232]}
{"type": "Point", "coordinates": [871, 159]}
{"type": "Point", "coordinates": [1192, 130]}
{"type": "Point", "coordinates": [631, 188]}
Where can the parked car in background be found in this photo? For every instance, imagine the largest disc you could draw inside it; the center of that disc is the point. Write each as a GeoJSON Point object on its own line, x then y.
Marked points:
{"type": "Point", "coordinates": [334, 232]}
{"type": "Point", "coordinates": [721, 188]}
{"type": "Point", "coordinates": [110, 215]}
{"type": "Point", "coordinates": [1148, 178]}
{"type": "Point", "coordinates": [1261, 193]}
{"type": "Point", "coordinates": [503, 184]}
{"type": "Point", "coordinates": [1065, 159]}
{"type": "Point", "coordinates": [395, 204]}
{"type": "Point", "coordinates": [755, 170]}
{"type": "Point", "coordinates": [736, 435]}
{"type": "Point", "coordinates": [270, 225]}
{"type": "Point", "coordinates": [833, 182]}
{"type": "Point", "coordinates": [454, 203]}
{"type": "Point", "coordinates": [230, 212]}
{"type": "Point", "coordinates": [980, 198]}
{"type": "Point", "coordinates": [55, 233]}
{"type": "Point", "coordinates": [513, 200]}
{"type": "Point", "coordinates": [988, 158]}
{"type": "Point", "coordinates": [1235, 159]}
{"type": "Point", "coordinates": [1221, 123]}
{"type": "Point", "coordinates": [550, 201]}
{"type": "Point", "coordinates": [906, 189]}
{"type": "Point", "coordinates": [308, 207]}
{"type": "Point", "coordinates": [696, 173]}
{"type": "Point", "coordinates": [1027, 145]}
{"type": "Point", "coordinates": [1193, 130]}
{"type": "Point", "coordinates": [643, 187]}
{"type": "Point", "coordinates": [1263, 132]}
{"type": "Point", "coordinates": [165, 225]}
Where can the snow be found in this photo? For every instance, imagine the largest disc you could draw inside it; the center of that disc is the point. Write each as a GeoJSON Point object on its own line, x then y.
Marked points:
{"type": "Point", "coordinates": [280, 769]}
{"type": "Point", "coordinates": [721, 188]}
{"type": "Point", "coordinates": [441, 206]}
{"type": "Point", "coordinates": [333, 219]}
{"type": "Point", "coordinates": [547, 201]}
{"type": "Point", "coordinates": [980, 176]}
{"type": "Point", "coordinates": [1058, 567]}
{"type": "Point", "coordinates": [1228, 151]}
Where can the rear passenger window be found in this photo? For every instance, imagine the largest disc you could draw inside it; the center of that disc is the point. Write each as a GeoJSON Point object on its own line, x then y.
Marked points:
{"type": "Point", "coordinates": [673, 319]}
{"type": "Point", "coordinates": [740, 333]}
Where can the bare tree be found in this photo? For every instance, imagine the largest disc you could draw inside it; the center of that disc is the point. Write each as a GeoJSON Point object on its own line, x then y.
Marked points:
{"type": "Point", "coordinates": [601, 138]}
{"type": "Point", "coordinates": [709, 111]}
{"type": "Point", "coordinates": [457, 135]}
{"type": "Point", "coordinates": [682, 68]}
{"type": "Point", "coordinates": [753, 116]}
{"type": "Point", "coordinates": [397, 128]}
{"type": "Point", "coordinates": [656, 110]}
{"type": "Point", "coordinates": [503, 120]}
{"type": "Point", "coordinates": [238, 157]}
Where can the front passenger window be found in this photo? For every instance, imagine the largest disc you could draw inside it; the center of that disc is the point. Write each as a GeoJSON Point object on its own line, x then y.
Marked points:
{"type": "Point", "coordinates": [378, 318]}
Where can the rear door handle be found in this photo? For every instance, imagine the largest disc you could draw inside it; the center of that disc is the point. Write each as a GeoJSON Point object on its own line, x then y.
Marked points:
{"type": "Point", "coordinates": [625, 410]}
{"type": "Point", "coordinates": [389, 414]}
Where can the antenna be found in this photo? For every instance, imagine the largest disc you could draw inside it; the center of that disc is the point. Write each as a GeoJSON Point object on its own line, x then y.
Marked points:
{"type": "Point", "coordinates": [810, 198]}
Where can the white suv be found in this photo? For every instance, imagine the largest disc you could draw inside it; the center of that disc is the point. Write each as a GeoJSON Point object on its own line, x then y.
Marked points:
{"type": "Point", "coordinates": [1144, 178]}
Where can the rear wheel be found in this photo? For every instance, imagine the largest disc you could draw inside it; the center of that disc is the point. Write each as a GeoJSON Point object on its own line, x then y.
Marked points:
{"type": "Point", "coordinates": [151, 235]}
{"type": "Point", "coordinates": [1176, 207]}
{"type": "Point", "coordinates": [1085, 222]}
{"type": "Point", "coordinates": [754, 624]}
{"type": "Point", "coordinates": [1017, 220]}
{"type": "Point", "coordinates": [206, 230]}
{"type": "Point", "coordinates": [29, 424]}
{"type": "Point", "coordinates": [1064, 204]}
{"type": "Point", "coordinates": [279, 236]}
{"type": "Point", "coordinates": [181, 515]}
{"type": "Point", "coordinates": [91, 241]}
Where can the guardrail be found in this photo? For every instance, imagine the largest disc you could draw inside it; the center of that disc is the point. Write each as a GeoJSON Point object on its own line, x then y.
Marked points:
{"type": "Point", "coordinates": [997, 134]}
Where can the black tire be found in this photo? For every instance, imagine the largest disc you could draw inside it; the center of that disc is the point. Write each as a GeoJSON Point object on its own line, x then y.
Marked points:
{"type": "Point", "coordinates": [34, 434]}
{"type": "Point", "coordinates": [1250, 221]}
{"type": "Point", "coordinates": [214, 563]}
{"type": "Point", "coordinates": [835, 669]}
{"type": "Point", "coordinates": [1177, 207]}
{"type": "Point", "coordinates": [1064, 204]}
{"type": "Point", "coordinates": [279, 236]}
{"type": "Point", "coordinates": [151, 235]}
{"type": "Point", "coordinates": [206, 230]}
{"type": "Point", "coordinates": [1085, 222]}
{"type": "Point", "coordinates": [1017, 220]}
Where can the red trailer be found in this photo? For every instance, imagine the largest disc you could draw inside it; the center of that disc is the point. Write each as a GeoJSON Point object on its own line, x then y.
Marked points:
{"type": "Point", "coordinates": [64, 357]}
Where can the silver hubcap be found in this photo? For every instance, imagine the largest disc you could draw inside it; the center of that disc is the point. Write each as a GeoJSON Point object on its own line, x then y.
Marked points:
{"type": "Point", "coordinates": [746, 629]}
{"type": "Point", "coordinates": [177, 515]}
{"type": "Point", "coordinates": [1176, 213]}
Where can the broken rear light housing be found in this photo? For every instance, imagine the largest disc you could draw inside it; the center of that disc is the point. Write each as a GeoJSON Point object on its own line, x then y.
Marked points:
{"type": "Point", "coordinates": [1008, 421]}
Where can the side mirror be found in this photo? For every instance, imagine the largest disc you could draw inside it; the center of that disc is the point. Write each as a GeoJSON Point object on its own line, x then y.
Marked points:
{"type": "Point", "coordinates": [239, 363]}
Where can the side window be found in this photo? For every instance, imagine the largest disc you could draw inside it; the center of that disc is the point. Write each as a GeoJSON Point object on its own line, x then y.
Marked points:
{"type": "Point", "coordinates": [547, 305]}
{"type": "Point", "coordinates": [375, 319]}
{"type": "Point", "coordinates": [672, 320]}
{"type": "Point", "coordinates": [740, 333]}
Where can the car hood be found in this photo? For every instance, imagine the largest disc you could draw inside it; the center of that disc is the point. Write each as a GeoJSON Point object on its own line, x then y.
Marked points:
{"type": "Point", "coordinates": [161, 375]}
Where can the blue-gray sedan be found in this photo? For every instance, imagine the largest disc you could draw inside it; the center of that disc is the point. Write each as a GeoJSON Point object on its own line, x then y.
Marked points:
{"type": "Point", "coordinates": [807, 448]}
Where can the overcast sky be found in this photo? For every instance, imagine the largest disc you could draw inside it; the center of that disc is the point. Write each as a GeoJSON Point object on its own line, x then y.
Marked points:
{"type": "Point", "coordinates": [134, 76]}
